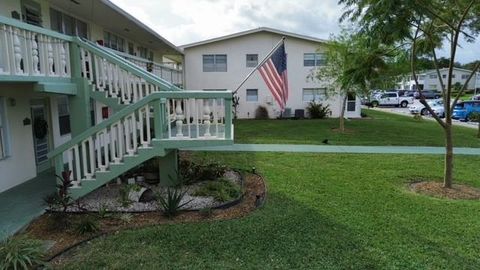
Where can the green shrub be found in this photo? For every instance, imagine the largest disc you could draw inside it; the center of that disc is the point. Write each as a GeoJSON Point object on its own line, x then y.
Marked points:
{"type": "Point", "coordinates": [317, 110]}
{"type": "Point", "coordinates": [171, 202]}
{"type": "Point", "coordinates": [21, 252]}
{"type": "Point", "coordinates": [221, 190]}
{"type": "Point", "coordinates": [191, 172]}
{"type": "Point", "coordinates": [86, 225]}
{"type": "Point", "coordinates": [261, 113]}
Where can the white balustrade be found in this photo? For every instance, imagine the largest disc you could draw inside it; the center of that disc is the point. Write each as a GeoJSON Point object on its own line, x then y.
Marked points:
{"type": "Point", "coordinates": [167, 71]}
{"type": "Point", "coordinates": [27, 53]}
{"type": "Point", "coordinates": [191, 118]}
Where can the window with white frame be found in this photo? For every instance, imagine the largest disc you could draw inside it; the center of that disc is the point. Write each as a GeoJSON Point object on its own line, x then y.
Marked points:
{"type": "Point", "coordinates": [252, 95]}
{"type": "Point", "coordinates": [252, 60]}
{"type": "Point", "coordinates": [432, 87]}
{"type": "Point", "coordinates": [433, 76]}
{"type": "Point", "coordinates": [464, 76]}
{"type": "Point", "coordinates": [214, 63]}
{"type": "Point", "coordinates": [63, 115]}
{"type": "Point", "coordinates": [67, 24]}
{"type": "Point", "coordinates": [3, 132]}
{"type": "Point", "coordinates": [314, 59]}
{"type": "Point", "coordinates": [314, 94]}
{"type": "Point", "coordinates": [113, 41]}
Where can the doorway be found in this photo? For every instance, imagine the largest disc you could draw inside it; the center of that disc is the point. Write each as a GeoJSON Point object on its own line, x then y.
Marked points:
{"type": "Point", "coordinates": [41, 134]}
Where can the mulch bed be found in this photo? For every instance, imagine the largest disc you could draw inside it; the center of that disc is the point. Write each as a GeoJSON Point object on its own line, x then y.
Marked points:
{"type": "Point", "coordinates": [436, 189]}
{"type": "Point", "coordinates": [41, 228]}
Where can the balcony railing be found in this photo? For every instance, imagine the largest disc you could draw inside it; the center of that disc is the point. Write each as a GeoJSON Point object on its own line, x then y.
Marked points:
{"type": "Point", "coordinates": [168, 71]}
{"type": "Point", "coordinates": [32, 51]}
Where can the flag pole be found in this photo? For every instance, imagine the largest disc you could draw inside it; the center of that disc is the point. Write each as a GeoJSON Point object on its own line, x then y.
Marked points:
{"type": "Point", "coordinates": [259, 64]}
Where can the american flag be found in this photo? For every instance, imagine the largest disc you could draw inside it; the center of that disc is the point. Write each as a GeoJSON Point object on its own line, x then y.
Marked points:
{"type": "Point", "coordinates": [274, 73]}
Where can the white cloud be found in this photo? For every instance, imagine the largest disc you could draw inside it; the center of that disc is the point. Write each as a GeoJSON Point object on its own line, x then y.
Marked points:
{"type": "Point", "coordinates": [186, 21]}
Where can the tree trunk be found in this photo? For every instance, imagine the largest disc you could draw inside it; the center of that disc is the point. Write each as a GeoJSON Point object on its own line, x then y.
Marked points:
{"type": "Point", "coordinates": [448, 173]}
{"type": "Point", "coordinates": [478, 134]}
{"type": "Point", "coordinates": [342, 114]}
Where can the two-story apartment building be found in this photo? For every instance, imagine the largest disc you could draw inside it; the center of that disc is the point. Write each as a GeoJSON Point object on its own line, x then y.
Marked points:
{"type": "Point", "coordinates": [222, 63]}
{"type": "Point", "coordinates": [428, 80]}
{"type": "Point", "coordinates": [85, 86]}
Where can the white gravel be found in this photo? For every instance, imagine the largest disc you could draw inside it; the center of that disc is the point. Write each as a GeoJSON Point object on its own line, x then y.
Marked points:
{"type": "Point", "coordinates": [108, 198]}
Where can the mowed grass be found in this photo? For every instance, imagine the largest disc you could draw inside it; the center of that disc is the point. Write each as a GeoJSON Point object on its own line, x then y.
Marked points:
{"type": "Point", "coordinates": [323, 211]}
{"type": "Point", "coordinates": [380, 129]}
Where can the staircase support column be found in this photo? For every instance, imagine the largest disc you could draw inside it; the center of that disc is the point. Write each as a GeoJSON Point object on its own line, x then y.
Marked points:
{"type": "Point", "coordinates": [168, 166]}
{"type": "Point", "coordinates": [79, 104]}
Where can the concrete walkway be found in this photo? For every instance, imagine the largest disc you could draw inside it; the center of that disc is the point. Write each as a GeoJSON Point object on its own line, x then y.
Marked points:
{"type": "Point", "coordinates": [20, 204]}
{"type": "Point", "coordinates": [302, 148]}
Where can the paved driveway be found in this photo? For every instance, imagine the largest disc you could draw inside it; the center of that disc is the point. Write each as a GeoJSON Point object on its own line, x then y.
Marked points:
{"type": "Point", "coordinates": [405, 111]}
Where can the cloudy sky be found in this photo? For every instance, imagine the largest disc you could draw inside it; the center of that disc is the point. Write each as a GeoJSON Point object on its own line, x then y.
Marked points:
{"type": "Point", "coordinates": [186, 21]}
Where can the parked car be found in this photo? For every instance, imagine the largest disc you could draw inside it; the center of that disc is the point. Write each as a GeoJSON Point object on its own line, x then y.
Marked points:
{"type": "Point", "coordinates": [428, 94]}
{"type": "Point", "coordinates": [463, 110]}
{"type": "Point", "coordinates": [390, 99]}
{"type": "Point", "coordinates": [476, 97]}
{"type": "Point", "coordinates": [439, 110]}
{"type": "Point", "coordinates": [420, 108]}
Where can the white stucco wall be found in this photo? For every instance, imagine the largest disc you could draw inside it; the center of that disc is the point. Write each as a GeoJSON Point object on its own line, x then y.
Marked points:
{"type": "Point", "coordinates": [258, 43]}
{"type": "Point", "coordinates": [20, 165]}
{"type": "Point", "coordinates": [434, 83]}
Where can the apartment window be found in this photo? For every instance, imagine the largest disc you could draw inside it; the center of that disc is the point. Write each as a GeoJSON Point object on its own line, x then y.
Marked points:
{"type": "Point", "coordinates": [453, 76]}
{"type": "Point", "coordinates": [68, 25]}
{"type": "Point", "coordinates": [113, 41]}
{"type": "Point", "coordinates": [444, 76]}
{"type": "Point", "coordinates": [464, 76]}
{"type": "Point", "coordinates": [31, 12]}
{"type": "Point", "coordinates": [252, 60]}
{"type": "Point", "coordinates": [252, 95]}
{"type": "Point", "coordinates": [314, 59]}
{"type": "Point", "coordinates": [63, 115]}
{"type": "Point", "coordinates": [314, 94]}
{"type": "Point", "coordinates": [433, 76]}
{"type": "Point", "coordinates": [214, 63]}
{"type": "Point", "coordinates": [3, 132]}
{"type": "Point", "coordinates": [432, 87]}
{"type": "Point", "coordinates": [421, 77]}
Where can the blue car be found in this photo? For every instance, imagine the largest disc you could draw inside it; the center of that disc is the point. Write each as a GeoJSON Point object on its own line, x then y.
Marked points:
{"type": "Point", "coordinates": [464, 110]}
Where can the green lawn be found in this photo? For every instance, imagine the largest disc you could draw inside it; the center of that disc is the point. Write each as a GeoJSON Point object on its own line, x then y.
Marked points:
{"type": "Point", "coordinates": [381, 129]}
{"type": "Point", "coordinates": [323, 211]}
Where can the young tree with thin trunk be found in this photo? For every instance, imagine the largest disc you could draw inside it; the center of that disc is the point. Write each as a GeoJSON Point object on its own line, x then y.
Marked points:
{"type": "Point", "coordinates": [423, 27]}
{"type": "Point", "coordinates": [353, 63]}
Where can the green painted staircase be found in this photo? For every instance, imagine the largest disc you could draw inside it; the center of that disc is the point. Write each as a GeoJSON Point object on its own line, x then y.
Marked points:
{"type": "Point", "coordinates": [152, 118]}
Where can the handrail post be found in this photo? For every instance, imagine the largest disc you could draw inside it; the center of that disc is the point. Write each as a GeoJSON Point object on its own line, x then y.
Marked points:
{"type": "Point", "coordinates": [80, 103]}
{"type": "Point", "coordinates": [158, 119]}
{"type": "Point", "coordinates": [228, 118]}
